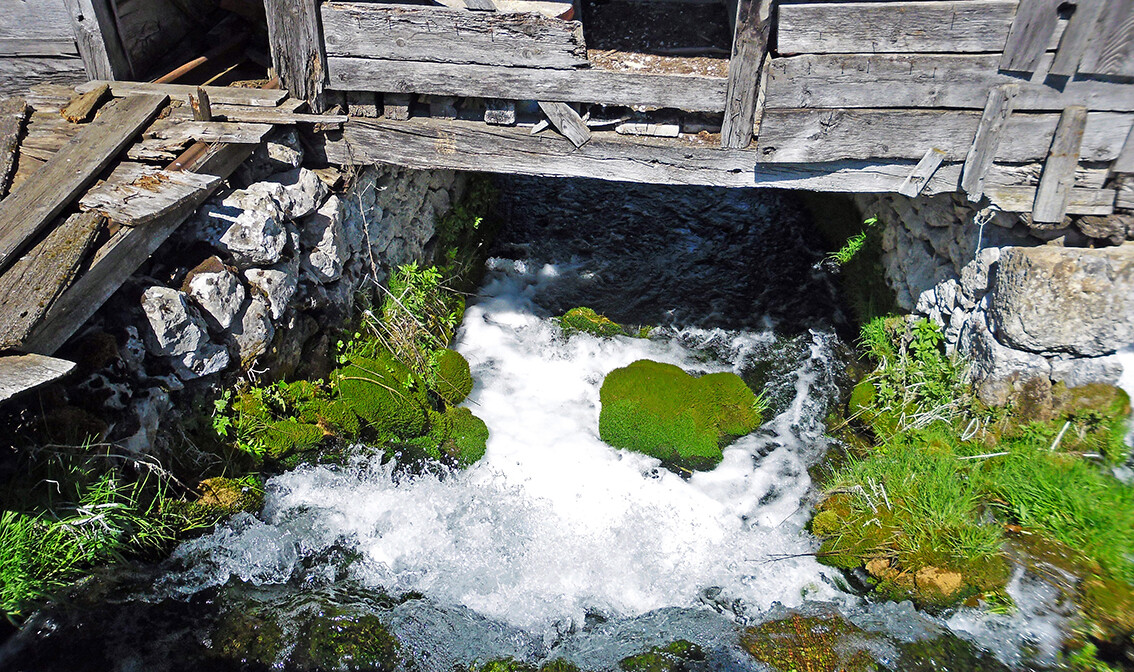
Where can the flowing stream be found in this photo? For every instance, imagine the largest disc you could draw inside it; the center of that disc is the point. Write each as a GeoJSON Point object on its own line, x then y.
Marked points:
{"type": "Point", "coordinates": [556, 545]}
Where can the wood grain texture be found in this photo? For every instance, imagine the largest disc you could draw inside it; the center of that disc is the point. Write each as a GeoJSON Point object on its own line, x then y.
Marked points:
{"type": "Point", "coordinates": [35, 280]}
{"type": "Point", "coordinates": [297, 48]}
{"type": "Point", "coordinates": [441, 34]}
{"type": "Point", "coordinates": [96, 35]}
{"type": "Point", "coordinates": [1079, 201]}
{"type": "Point", "coordinates": [749, 47]}
{"type": "Point", "coordinates": [16, 46]}
{"type": "Point", "coordinates": [183, 132]}
{"type": "Point", "coordinates": [1125, 161]}
{"type": "Point", "coordinates": [274, 115]}
{"type": "Point", "coordinates": [922, 173]}
{"type": "Point", "coordinates": [13, 113]}
{"type": "Point", "coordinates": [396, 106]}
{"type": "Point", "coordinates": [82, 107]}
{"type": "Point", "coordinates": [136, 194]}
{"type": "Point", "coordinates": [35, 203]}
{"type": "Point", "coordinates": [1081, 30]}
{"type": "Point", "coordinates": [1112, 52]}
{"type": "Point", "coordinates": [802, 135]}
{"type": "Point", "coordinates": [23, 373]}
{"type": "Point", "coordinates": [881, 27]}
{"type": "Point", "coordinates": [685, 92]}
{"type": "Point", "coordinates": [935, 81]}
{"type": "Point", "coordinates": [18, 74]}
{"type": "Point", "coordinates": [1031, 32]}
{"type": "Point", "coordinates": [496, 112]}
{"type": "Point", "coordinates": [986, 141]}
{"type": "Point", "coordinates": [223, 95]}
{"type": "Point", "coordinates": [36, 20]}
{"type": "Point", "coordinates": [1054, 192]}
{"type": "Point", "coordinates": [567, 121]}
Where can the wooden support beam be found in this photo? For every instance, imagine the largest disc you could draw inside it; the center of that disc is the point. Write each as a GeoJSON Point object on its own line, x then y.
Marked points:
{"type": "Point", "coordinates": [1031, 32]}
{"type": "Point", "coordinates": [749, 47]}
{"type": "Point", "coordinates": [36, 202]}
{"type": "Point", "coordinates": [1054, 192]}
{"type": "Point", "coordinates": [396, 106]}
{"type": "Point", "coordinates": [268, 115]}
{"type": "Point", "coordinates": [96, 34]}
{"type": "Point", "coordinates": [13, 113]}
{"type": "Point", "coordinates": [567, 121]}
{"type": "Point", "coordinates": [982, 153]}
{"type": "Point", "coordinates": [297, 49]}
{"type": "Point", "coordinates": [222, 95]}
{"type": "Point", "coordinates": [1081, 29]}
{"type": "Point", "coordinates": [499, 112]}
{"type": "Point", "coordinates": [922, 173]}
{"type": "Point", "coordinates": [362, 103]}
{"type": "Point", "coordinates": [80, 109]}
{"type": "Point", "coordinates": [1123, 164]}
{"type": "Point", "coordinates": [23, 373]}
{"type": "Point", "coordinates": [1080, 201]}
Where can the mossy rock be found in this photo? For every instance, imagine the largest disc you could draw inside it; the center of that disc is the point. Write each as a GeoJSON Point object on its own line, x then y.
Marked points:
{"type": "Point", "coordinates": [249, 637]}
{"type": "Point", "coordinates": [799, 643]}
{"type": "Point", "coordinates": [289, 436]}
{"type": "Point", "coordinates": [587, 321]}
{"type": "Point", "coordinates": [662, 411]}
{"type": "Point", "coordinates": [385, 394]}
{"type": "Point", "coordinates": [344, 641]}
{"type": "Point", "coordinates": [450, 376]}
{"type": "Point", "coordinates": [455, 437]}
{"type": "Point", "coordinates": [677, 656]}
{"type": "Point", "coordinates": [227, 496]}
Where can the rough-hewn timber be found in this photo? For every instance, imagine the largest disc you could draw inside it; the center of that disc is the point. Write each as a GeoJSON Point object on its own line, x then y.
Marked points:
{"type": "Point", "coordinates": [297, 48]}
{"type": "Point", "coordinates": [985, 146]}
{"type": "Point", "coordinates": [13, 113]}
{"type": "Point", "coordinates": [222, 95]}
{"type": "Point", "coordinates": [22, 373]}
{"type": "Point", "coordinates": [1054, 192]}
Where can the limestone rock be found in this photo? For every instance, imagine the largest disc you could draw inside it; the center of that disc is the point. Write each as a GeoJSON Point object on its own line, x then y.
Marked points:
{"type": "Point", "coordinates": [277, 284]}
{"type": "Point", "coordinates": [1112, 228]}
{"type": "Point", "coordinates": [280, 151]}
{"type": "Point", "coordinates": [303, 190]}
{"type": "Point", "coordinates": [217, 291]}
{"type": "Point", "coordinates": [148, 409]}
{"type": "Point", "coordinates": [267, 197]}
{"type": "Point", "coordinates": [995, 367]}
{"type": "Point", "coordinates": [1054, 299]}
{"type": "Point", "coordinates": [1078, 371]}
{"type": "Point", "coordinates": [253, 333]}
{"type": "Point", "coordinates": [256, 238]}
{"type": "Point", "coordinates": [174, 330]}
{"type": "Point", "coordinates": [975, 274]}
{"type": "Point", "coordinates": [208, 359]}
{"type": "Point", "coordinates": [324, 243]}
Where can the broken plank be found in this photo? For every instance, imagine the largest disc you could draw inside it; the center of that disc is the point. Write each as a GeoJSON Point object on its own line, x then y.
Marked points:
{"type": "Point", "coordinates": [273, 115]}
{"type": "Point", "coordinates": [1054, 192]}
{"type": "Point", "coordinates": [226, 95]}
{"type": "Point", "coordinates": [567, 121]}
{"type": "Point", "coordinates": [593, 85]}
{"type": "Point", "coordinates": [297, 48]}
{"type": "Point", "coordinates": [135, 193]}
{"type": "Point", "coordinates": [49, 190]}
{"type": "Point", "coordinates": [749, 46]}
{"type": "Point", "coordinates": [32, 283]}
{"type": "Point", "coordinates": [23, 373]}
{"type": "Point", "coordinates": [13, 113]}
{"type": "Point", "coordinates": [986, 141]}
{"type": "Point", "coordinates": [210, 131]}
{"type": "Point", "coordinates": [201, 104]}
{"type": "Point", "coordinates": [1080, 201]}
{"type": "Point", "coordinates": [1031, 32]}
{"type": "Point", "coordinates": [922, 173]}
{"type": "Point", "coordinates": [83, 106]}
{"type": "Point", "coordinates": [442, 34]}
{"type": "Point", "coordinates": [1081, 30]}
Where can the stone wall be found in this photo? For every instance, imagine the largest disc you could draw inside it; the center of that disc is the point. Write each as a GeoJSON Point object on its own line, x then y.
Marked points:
{"type": "Point", "coordinates": [1019, 300]}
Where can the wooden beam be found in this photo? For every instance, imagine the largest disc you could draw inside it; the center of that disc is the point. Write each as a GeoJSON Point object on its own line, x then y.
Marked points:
{"type": "Point", "coordinates": [685, 92]}
{"type": "Point", "coordinates": [297, 49]}
{"type": "Point", "coordinates": [1054, 192]}
{"type": "Point", "coordinates": [1080, 201]}
{"type": "Point", "coordinates": [222, 95]}
{"type": "Point", "coordinates": [567, 121]}
{"type": "Point", "coordinates": [23, 373]}
{"type": "Point", "coordinates": [13, 113]}
{"type": "Point", "coordinates": [986, 141]}
{"type": "Point", "coordinates": [1031, 32]}
{"type": "Point", "coordinates": [96, 34]}
{"type": "Point", "coordinates": [50, 189]}
{"type": "Point", "coordinates": [396, 106]}
{"type": "Point", "coordinates": [1081, 30]}
{"type": "Point", "coordinates": [136, 194]}
{"type": "Point", "coordinates": [17, 75]}
{"type": "Point", "coordinates": [31, 47]}
{"type": "Point", "coordinates": [935, 81]}
{"type": "Point", "coordinates": [442, 34]}
{"type": "Point", "coordinates": [749, 46]}
{"type": "Point", "coordinates": [270, 115]}
{"type": "Point", "coordinates": [1112, 50]}
{"type": "Point", "coordinates": [1123, 164]}
{"type": "Point", "coordinates": [922, 173]}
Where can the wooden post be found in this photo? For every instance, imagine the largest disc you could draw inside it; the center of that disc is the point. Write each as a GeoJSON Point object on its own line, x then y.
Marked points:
{"type": "Point", "coordinates": [1081, 29]}
{"type": "Point", "coordinates": [297, 48]}
{"type": "Point", "coordinates": [997, 108]}
{"type": "Point", "coordinates": [202, 108]}
{"type": "Point", "coordinates": [922, 172]}
{"type": "Point", "coordinates": [1054, 192]}
{"type": "Point", "coordinates": [98, 41]}
{"type": "Point", "coordinates": [749, 46]}
{"type": "Point", "coordinates": [1030, 34]}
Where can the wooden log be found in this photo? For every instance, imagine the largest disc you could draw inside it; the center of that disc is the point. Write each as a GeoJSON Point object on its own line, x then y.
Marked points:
{"type": "Point", "coordinates": [35, 280]}
{"type": "Point", "coordinates": [1054, 192]}
{"type": "Point", "coordinates": [83, 106]}
{"type": "Point", "coordinates": [272, 115]}
{"type": "Point", "coordinates": [986, 141]}
{"type": "Point", "coordinates": [13, 113]}
{"type": "Point", "coordinates": [922, 173]}
{"type": "Point", "coordinates": [441, 34]}
{"type": "Point", "coordinates": [1123, 164]}
{"type": "Point", "coordinates": [297, 49]}
{"type": "Point", "coordinates": [1112, 52]}
{"type": "Point", "coordinates": [96, 34]}
{"type": "Point", "coordinates": [497, 112]}
{"type": "Point", "coordinates": [749, 46]}
{"type": "Point", "coordinates": [567, 121]}
{"type": "Point", "coordinates": [1081, 30]}
{"type": "Point", "coordinates": [918, 27]}
{"type": "Point", "coordinates": [223, 95]}
{"type": "Point", "coordinates": [1031, 32]}
{"type": "Point", "coordinates": [18, 74]}
{"type": "Point", "coordinates": [126, 250]}
{"type": "Point", "coordinates": [362, 103]}
{"type": "Point", "coordinates": [802, 135]}
{"type": "Point", "coordinates": [23, 373]}
{"type": "Point", "coordinates": [36, 202]}
{"type": "Point", "coordinates": [137, 194]}
{"type": "Point", "coordinates": [1080, 201]}
{"type": "Point", "coordinates": [899, 80]}
{"type": "Point", "coordinates": [202, 106]}
{"type": "Point", "coordinates": [685, 92]}
{"type": "Point", "coordinates": [396, 106]}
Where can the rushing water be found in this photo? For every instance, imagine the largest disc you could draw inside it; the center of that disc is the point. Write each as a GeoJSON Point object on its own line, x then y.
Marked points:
{"type": "Point", "coordinates": [555, 544]}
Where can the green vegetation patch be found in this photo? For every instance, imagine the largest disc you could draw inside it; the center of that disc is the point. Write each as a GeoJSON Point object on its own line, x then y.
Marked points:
{"type": "Point", "coordinates": [513, 665]}
{"type": "Point", "coordinates": [586, 321]}
{"type": "Point", "coordinates": [801, 643]}
{"type": "Point", "coordinates": [677, 656]}
{"type": "Point", "coordinates": [660, 410]}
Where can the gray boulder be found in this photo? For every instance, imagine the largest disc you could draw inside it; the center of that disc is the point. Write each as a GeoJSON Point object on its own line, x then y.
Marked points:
{"type": "Point", "coordinates": [303, 192]}
{"type": "Point", "coordinates": [176, 331]}
{"type": "Point", "coordinates": [256, 238]}
{"type": "Point", "coordinates": [277, 284]}
{"type": "Point", "coordinates": [216, 291]}
{"type": "Point", "coordinates": [253, 333]}
{"type": "Point", "coordinates": [324, 242]}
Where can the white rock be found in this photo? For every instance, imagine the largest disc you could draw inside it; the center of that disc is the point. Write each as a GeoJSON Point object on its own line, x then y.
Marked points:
{"type": "Point", "coordinates": [926, 301]}
{"type": "Point", "coordinates": [149, 407]}
{"type": "Point", "coordinates": [304, 191]}
{"type": "Point", "coordinates": [253, 333]}
{"type": "Point", "coordinates": [174, 330]}
{"type": "Point", "coordinates": [324, 243]}
{"type": "Point", "coordinates": [256, 238]}
{"type": "Point", "coordinates": [282, 150]}
{"type": "Point", "coordinates": [267, 197]}
{"type": "Point", "coordinates": [277, 284]}
{"type": "Point", "coordinates": [208, 359]}
{"type": "Point", "coordinates": [219, 294]}
{"type": "Point", "coordinates": [946, 293]}
{"type": "Point", "coordinates": [1082, 370]}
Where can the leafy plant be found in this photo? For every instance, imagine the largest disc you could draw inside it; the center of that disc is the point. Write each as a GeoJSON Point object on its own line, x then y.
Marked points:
{"type": "Point", "coordinates": [854, 244]}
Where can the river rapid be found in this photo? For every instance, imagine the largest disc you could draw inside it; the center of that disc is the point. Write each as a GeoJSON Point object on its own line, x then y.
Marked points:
{"type": "Point", "coordinates": [556, 545]}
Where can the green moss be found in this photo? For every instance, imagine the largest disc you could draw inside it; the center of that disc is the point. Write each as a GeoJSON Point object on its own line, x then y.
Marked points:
{"type": "Point", "coordinates": [505, 665]}
{"type": "Point", "coordinates": [385, 394]}
{"type": "Point", "coordinates": [662, 411]}
{"type": "Point", "coordinates": [673, 657]}
{"type": "Point", "coordinates": [249, 637]}
{"type": "Point", "coordinates": [285, 437]}
{"type": "Point", "coordinates": [450, 376]}
{"type": "Point", "coordinates": [343, 641]}
{"type": "Point", "coordinates": [945, 652]}
{"type": "Point", "coordinates": [227, 496]}
{"type": "Point", "coordinates": [587, 321]}
{"type": "Point", "coordinates": [810, 644]}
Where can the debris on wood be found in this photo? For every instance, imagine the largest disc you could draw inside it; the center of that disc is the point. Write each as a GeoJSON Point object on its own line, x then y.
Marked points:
{"type": "Point", "coordinates": [83, 106]}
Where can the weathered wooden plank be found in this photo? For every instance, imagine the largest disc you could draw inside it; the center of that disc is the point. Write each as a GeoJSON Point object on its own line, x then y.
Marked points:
{"type": "Point", "coordinates": [922, 173]}
{"type": "Point", "coordinates": [18, 74]}
{"type": "Point", "coordinates": [36, 202]}
{"type": "Point", "coordinates": [879, 27]}
{"type": "Point", "coordinates": [1080, 201]}
{"type": "Point", "coordinates": [1125, 196]}
{"type": "Point", "coordinates": [396, 106]}
{"type": "Point", "coordinates": [496, 112]}
{"type": "Point", "coordinates": [1031, 32]}
{"type": "Point", "coordinates": [421, 33]}
{"type": "Point", "coordinates": [96, 34]}
{"type": "Point", "coordinates": [1054, 192]}
{"type": "Point", "coordinates": [1081, 29]}
{"type": "Point", "coordinates": [23, 373]}
{"type": "Point", "coordinates": [802, 135]}
{"type": "Point", "coordinates": [136, 194]}
{"type": "Point", "coordinates": [223, 95]}
{"type": "Point", "coordinates": [567, 121]}
{"type": "Point", "coordinates": [41, 20]}
{"type": "Point", "coordinates": [201, 104]}
{"type": "Point", "coordinates": [749, 46]}
{"type": "Point", "coordinates": [33, 282]}
{"type": "Point", "coordinates": [1112, 53]}
{"type": "Point", "coordinates": [1125, 161]}
{"type": "Point", "coordinates": [183, 132]}
{"type": "Point", "coordinates": [901, 80]}
{"type": "Point", "coordinates": [686, 92]}
{"type": "Point", "coordinates": [83, 106]}
{"type": "Point", "coordinates": [362, 103]}
{"type": "Point", "coordinates": [297, 49]}
{"type": "Point", "coordinates": [13, 112]}
{"type": "Point", "coordinates": [126, 250]}
{"type": "Point", "coordinates": [273, 115]}
{"type": "Point", "coordinates": [986, 141]}
{"type": "Point", "coordinates": [10, 46]}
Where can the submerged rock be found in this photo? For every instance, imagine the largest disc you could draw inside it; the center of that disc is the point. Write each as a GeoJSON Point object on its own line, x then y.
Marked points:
{"type": "Point", "coordinates": [587, 321]}
{"type": "Point", "coordinates": [658, 409]}
{"type": "Point", "coordinates": [677, 656]}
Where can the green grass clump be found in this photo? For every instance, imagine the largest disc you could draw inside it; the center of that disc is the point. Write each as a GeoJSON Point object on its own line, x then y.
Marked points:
{"type": "Point", "coordinates": [677, 656]}
{"type": "Point", "coordinates": [586, 321]}
{"type": "Point", "coordinates": [662, 411]}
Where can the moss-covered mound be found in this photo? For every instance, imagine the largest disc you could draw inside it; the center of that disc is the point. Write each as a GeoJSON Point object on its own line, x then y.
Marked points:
{"type": "Point", "coordinates": [660, 410]}
{"type": "Point", "coordinates": [801, 643]}
{"type": "Point", "coordinates": [450, 376]}
{"type": "Point", "coordinates": [587, 321]}
{"type": "Point", "coordinates": [513, 665]}
{"type": "Point", "coordinates": [677, 656]}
